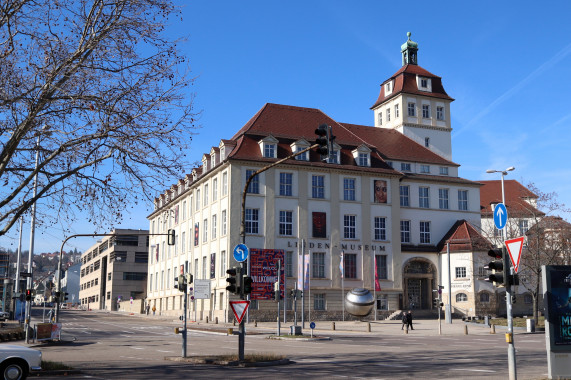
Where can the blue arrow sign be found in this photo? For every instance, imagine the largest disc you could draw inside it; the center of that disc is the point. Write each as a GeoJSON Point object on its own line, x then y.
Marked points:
{"type": "Point", "coordinates": [241, 253]}
{"type": "Point", "coordinates": [500, 216]}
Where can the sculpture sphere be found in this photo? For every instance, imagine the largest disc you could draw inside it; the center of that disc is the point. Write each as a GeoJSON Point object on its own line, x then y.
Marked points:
{"type": "Point", "coordinates": [359, 302]}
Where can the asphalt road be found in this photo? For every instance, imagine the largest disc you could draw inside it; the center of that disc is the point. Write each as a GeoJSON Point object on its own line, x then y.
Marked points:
{"type": "Point", "coordinates": [120, 346]}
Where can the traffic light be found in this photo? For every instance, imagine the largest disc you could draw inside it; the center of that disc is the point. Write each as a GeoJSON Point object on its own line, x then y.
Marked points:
{"type": "Point", "coordinates": [247, 284]}
{"type": "Point", "coordinates": [170, 239]}
{"type": "Point", "coordinates": [64, 296]}
{"type": "Point", "coordinates": [234, 280]}
{"type": "Point", "coordinates": [189, 278]}
{"type": "Point", "coordinates": [277, 295]}
{"type": "Point", "coordinates": [180, 283]}
{"type": "Point", "coordinates": [498, 267]}
{"type": "Point", "coordinates": [28, 294]}
{"type": "Point", "coordinates": [436, 303]}
{"type": "Point", "coordinates": [323, 133]}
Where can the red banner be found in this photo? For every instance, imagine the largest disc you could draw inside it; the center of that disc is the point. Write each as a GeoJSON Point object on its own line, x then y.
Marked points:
{"type": "Point", "coordinates": [263, 270]}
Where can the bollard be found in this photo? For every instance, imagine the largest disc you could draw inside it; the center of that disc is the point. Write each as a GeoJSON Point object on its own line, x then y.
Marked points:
{"type": "Point", "coordinates": [207, 319]}
{"type": "Point", "coordinates": [333, 326]}
{"type": "Point", "coordinates": [230, 331]}
{"type": "Point", "coordinates": [216, 320]}
{"type": "Point", "coordinates": [369, 327]}
{"type": "Point", "coordinates": [255, 323]}
{"type": "Point", "coordinates": [492, 329]}
{"type": "Point", "coordinates": [465, 329]}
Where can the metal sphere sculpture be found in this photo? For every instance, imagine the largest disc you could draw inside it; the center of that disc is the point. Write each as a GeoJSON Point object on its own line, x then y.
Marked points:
{"type": "Point", "coordinates": [359, 302]}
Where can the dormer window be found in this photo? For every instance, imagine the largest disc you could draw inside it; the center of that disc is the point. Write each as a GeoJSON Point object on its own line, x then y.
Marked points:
{"type": "Point", "coordinates": [424, 84]}
{"type": "Point", "coordinates": [334, 155]}
{"type": "Point", "coordinates": [298, 146]}
{"type": "Point", "coordinates": [443, 170]}
{"type": "Point", "coordinates": [269, 147]}
{"type": "Point", "coordinates": [388, 88]}
{"type": "Point", "coordinates": [425, 168]}
{"type": "Point", "coordinates": [362, 156]}
{"type": "Point", "coordinates": [405, 167]}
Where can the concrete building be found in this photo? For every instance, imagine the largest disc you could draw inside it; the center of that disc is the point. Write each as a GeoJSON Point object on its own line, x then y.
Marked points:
{"type": "Point", "coordinates": [115, 270]}
{"type": "Point", "coordinates": [389, 197]}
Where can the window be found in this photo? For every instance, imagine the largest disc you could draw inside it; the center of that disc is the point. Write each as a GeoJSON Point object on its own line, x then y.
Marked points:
{"type": "Point", "coordinates": [319, 224]}
{"type": "Point", "coordinates": [461, 297]}
{"type": "Point", "coordinates": [289, 264]}
{"type": "Point", "coordinates": [463, 200]}
{"type": "Point", "coordinates": [350, 265]}
{"type": "Point", "coordinates": [286, 184]}
{"type": "Point", "coordinates": [214, 225]}
{"type": "Point", "coordinates": [349, 226]}
{"type": "Point", "coordinates": [190, 204]}
{"type": "Point", "coordinates": [302, 157]}
{"type": "Point", "coordinates": [405, 231]}
{"type": "Point", "coordinates": [397, 111]}
{"type": "Point", "coordinates": [405, 167]}
{"type": "Point", "coordinates": [333, 157]}
{"type": "Point", "coordinates": [183, 212]}
{"type": "Point", "coordinates": [388, 88]}
{"type": "Point", "coordinates": [286, 223]}
{"type": "Point", "coordinates": [381, 266]}
{"type": "Point", "coordinates": [443, 170]}
{"type": "Point", "coordinates": [318, 265]}
{"type": "Point", "coordinates": [254, 186]}
{"type": "Point", "coordinates": [213, 266]}
{"type": "Point", "coordinates": [423, 82]}
{"type": "Point", "coordinates": [425, 111]}
{"type": "Point", "coordinates": [427, 142]}
{"type": "Point", "coordinates": [135, 276]}
{"type": "Point", "coordinates": [251, 225]}
{"type": "Point", "coordinates": [439, 113]}
{"type": "Point", "coordinates": [411, 109]}
{"type": "Point", "coordinates": [424, 232]}
{"type": "Point", "coordinates": [318, 186]}
{"type": "Point", "coordinates": [319, 301]}
{"type": "Point", "coordinates": [523, 227]}
{"type": "Point", "coordinates": [388, 114]}
{"type": "Point", "coordinates": [224, 225]}
{"type": "Point", "coordinates": [485, 297]}
{"type": "Point", "coordinates": [380, 118]}
{"type": "Point", "coordinates": [423, 197]}
{"type": "Point", "coordinates": [205, 195]}
{"type": "Point", "coordinates": [380, 231]}
{"type": "Point", "coordinates": [349, 189]}
{"type": "Point", "coordinates": [363, 159]}
{"type": "Point", "coordinates": [443, 199]}
{"type": "Point", "coordinates": [269, 150]}
{"type": "Point", "coordinates": [204, 265]}
{"type": "Point", "coordinates": [215, 189]}
{"type": "Point", "coordinates": [197, 200]}
{"type": "Point", "coordinates": [205, 230]}
{"type": "Point", "coordinates": [223, 263]}
{"type": "Point", "coordinates": [460, 272]}
{"type": "Point", "coordinates": [404, 196]}
{"type": "Point", "coordinates": [425, 168]}
{"type": "Point", "coordinates": [224, 183]}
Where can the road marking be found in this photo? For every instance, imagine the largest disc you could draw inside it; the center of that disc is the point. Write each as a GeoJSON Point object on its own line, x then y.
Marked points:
{"type": "Point", "coordinates": [164, 351]}
{"type": "Point", "coordinates": [138, 348]}
{"type": "Point", "coordinates": [392, 365]}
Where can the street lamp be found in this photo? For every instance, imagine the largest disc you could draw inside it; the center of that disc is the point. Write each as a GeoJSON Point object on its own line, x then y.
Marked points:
{"type": "Point", "coordinates": [509, 273]}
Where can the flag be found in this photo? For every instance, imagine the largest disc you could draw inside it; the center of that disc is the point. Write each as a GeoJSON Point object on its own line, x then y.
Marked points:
{"type": "Point", "coordinates": [306, 285]}
{"type": "Point", "coordinates": [341, 269]}
{"type": "Point", "coordinates": [377, 284]}
{"type": "Point", "coordinates": [303, 272]}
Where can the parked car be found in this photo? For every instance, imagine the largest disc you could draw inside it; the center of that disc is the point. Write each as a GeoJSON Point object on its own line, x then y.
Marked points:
{"type": "Point", "coordinates": [4, 315]}
{"type": "Point", "coordinates": [16, 362]}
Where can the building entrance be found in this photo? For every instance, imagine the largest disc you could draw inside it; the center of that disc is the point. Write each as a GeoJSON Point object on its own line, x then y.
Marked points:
{"type": "Point", "coordinates": [419, 279]}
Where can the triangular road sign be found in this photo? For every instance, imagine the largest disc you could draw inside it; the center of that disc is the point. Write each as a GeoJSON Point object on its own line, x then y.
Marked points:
{"type": "Point", "coordinates": [239, 308]}
{"type": "Point", "coordinates": [514, 247]}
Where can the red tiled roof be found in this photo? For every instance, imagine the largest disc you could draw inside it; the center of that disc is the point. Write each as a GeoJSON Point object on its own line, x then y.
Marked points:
{"type": "Point", "coordinates": [289, 124]}
{"type": "Point", "coordinates": [405, 81]}
{"type": "Point", "coordinates": [463, 237]}
{"type": "Point", "coordinates": [515, 194]}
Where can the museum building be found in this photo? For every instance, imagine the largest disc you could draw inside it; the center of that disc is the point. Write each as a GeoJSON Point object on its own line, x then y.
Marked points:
{"type": "Point", "coordinates": [387, 200]}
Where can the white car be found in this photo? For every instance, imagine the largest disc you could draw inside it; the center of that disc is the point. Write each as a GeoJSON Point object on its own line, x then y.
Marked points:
{"type": "Point", "coordinates": [16, 362]}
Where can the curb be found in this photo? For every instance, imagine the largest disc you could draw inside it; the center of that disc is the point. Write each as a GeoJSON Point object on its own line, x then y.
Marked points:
{"type": "Point", "coordinates": [229, 363]}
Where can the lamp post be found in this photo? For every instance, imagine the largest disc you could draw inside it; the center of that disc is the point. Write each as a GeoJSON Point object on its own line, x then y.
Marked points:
{"type": "Point", "coordinates": [508, 275]}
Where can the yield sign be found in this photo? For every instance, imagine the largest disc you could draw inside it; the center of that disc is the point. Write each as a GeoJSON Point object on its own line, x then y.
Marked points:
{"type": "Point", "coordinates": [514, 247]}
{"type": "Point", "coordinates": [239, 308]}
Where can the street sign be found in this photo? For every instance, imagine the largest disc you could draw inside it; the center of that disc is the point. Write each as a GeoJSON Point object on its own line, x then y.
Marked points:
{"type": "Point", "coordinates": [25, 274]}
{"type": "Point", "coordinates": [312, 325]}
{"type": "Point", "coordinates": [202, 289]}
{"type": "Point", "coordinates": [514, 247]}
{"type": "Point", "coordinates": [500, 216]}
{"type": "Point", "coordinates": [241, 253]}
{"type": "Point", "coordinates": [239, 309]}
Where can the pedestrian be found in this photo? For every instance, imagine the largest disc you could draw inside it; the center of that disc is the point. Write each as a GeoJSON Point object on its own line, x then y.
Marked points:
{"type": "Point", "coordinates": [409, 319]}
{"type": "Point", "coordinates": [148, 308]}
{"type": "Point", "coordinates": [154, 309]}
{"type": "Point", "coordinates": [404, 320]}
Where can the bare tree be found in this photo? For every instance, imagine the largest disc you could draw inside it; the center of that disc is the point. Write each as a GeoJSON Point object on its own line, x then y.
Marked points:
{"type": "Point", "coordinates": [101, 92]}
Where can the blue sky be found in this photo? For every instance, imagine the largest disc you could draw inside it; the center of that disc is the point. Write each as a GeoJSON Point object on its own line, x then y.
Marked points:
{"type": "Point", "coordinates": [507, 64]}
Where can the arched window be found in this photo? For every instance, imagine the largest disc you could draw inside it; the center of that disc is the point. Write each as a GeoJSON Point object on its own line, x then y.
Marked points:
{"type": "Point", "coordinates": [484, 297]}
{"type": "Point", "coordinates": [461, 297]}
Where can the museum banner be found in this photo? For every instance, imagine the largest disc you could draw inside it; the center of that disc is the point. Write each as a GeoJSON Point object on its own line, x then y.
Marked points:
{"type": "Point", "coordinates": [263, 270]}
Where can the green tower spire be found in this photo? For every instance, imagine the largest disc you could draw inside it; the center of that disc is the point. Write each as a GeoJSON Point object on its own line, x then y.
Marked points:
{"type": "Point", "coordinates": [409, 51]}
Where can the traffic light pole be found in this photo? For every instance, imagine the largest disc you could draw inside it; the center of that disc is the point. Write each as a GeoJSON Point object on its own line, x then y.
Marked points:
{"type": "Point", "coordinates": [241, 329]}
{"type": "Point", "coordinates": [184, 329]}
{"type": "Point", "coordinates": [509, 334]}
